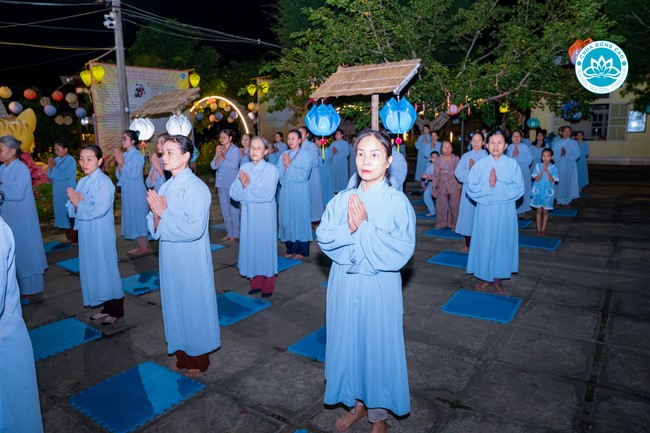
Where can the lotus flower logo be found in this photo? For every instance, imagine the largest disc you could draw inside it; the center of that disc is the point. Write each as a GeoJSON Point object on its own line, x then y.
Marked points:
{"type": "Point", "coordinates": [601, 68]}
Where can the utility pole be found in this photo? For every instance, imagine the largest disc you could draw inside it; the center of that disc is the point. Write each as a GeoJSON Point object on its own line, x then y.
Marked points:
{"type": "Point", "coordinates": [121, 66]}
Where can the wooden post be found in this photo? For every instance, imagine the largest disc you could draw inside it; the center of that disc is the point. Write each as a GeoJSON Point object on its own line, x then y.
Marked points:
{"type": "Point", "coordinates": [121, 68]}
{"type": "Point", "coordinates": [375, 112]}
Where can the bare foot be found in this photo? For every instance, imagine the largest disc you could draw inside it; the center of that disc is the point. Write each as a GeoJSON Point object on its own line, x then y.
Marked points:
{"type": "Point", "coordinates": [298, 256]}
{"type": "Point", "coordinates": [482, 286]}
{"type": "Point", "coordinates": [226, 238]}
{"type": "Point", "coordinates": [140, 251]}
{"type": "Point", "coordinates": [288, 256]}
{"type": "Point", "coordinates": [379, 427]}
{"type": "Point", "coordinates": [346, 421]}
{"type": "Point", "coordinates": [464, 249]}
{"type": "Point", "coordinates": [499, 288]}
{"type": "Point", "coordinates": [193, 372]}
{"type": "Point", "coordinates": [174, 366]}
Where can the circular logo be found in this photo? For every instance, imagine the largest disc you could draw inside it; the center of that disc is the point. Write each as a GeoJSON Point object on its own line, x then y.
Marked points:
{"type": "Point", "coordinates": [601, 67]}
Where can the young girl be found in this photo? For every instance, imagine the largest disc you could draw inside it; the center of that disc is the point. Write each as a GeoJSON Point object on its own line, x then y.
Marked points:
{"type": "Point", "coordinates": [426, 177]}
{"type": "Point", "coordinates": [465, 223]}
{"type": "Point", "coordinates": [62, 171]}
{"type": "Point", "coordinates": [254, 189]}
{"type": "Point", "coordinates": [294, 167]}
{"type": "Point", "coordinates": [226, 163]}
{"type": "Point", "coordinates": [369, 233]}
{"type": "Point", "coordinates": [543, 193]}
{"type": "Point", "coordinates": [494, 183]}
{"type": "Point", "coordinates": [157, 174]}
{"type": "Point", "coordinates": [134, 192]}
{"type": "Point", "coordinates": [91, 205]}
{"type": "Point", "coordinates": [445, 188]}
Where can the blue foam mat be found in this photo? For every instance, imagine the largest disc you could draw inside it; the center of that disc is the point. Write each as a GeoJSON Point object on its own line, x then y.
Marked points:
{"type": "Point", "coordinates": [485, 306]}
{"type": "Point", "coordinates": [455, 259]}
{"type": "Point", "coordinates": [564, 212]}
{"type": "Point", "coordinates": [141, 283]}
{"type": "Point", "coordinates": [71, 265]}
{"type": "Point", "coordinates": [324, 284]}
{"type": "Point", "coordinates": [312, 346]}
{"type": "Point", "coordinates": [419, 202]}
{"type": "Point", "coordinates": [221, 226]}
{"type": "Point", "coordinates": [51, 247]}
{"type": "Point", "coordinates": [285, 263]}
{"type": "Point", "coordinates": [134, 397]}
{"type": "Point", "coordinates": [216, 247]}
{"type": "Point", "coordinates": [234, 307]}
{"type": "Point", "coordinates": [443, 233]}
{"type": "Point", "coordinates": [423, 215]}
{"type": "Point", "coordinates": [522, 224]}
{"type": "Point", "coordinates": [56, 337]}
{"type": "Point", "coordinates": [542, 243]}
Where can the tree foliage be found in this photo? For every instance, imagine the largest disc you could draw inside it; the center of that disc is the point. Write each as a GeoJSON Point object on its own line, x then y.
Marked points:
{"type": "Point", "coordinates": [477, 53]}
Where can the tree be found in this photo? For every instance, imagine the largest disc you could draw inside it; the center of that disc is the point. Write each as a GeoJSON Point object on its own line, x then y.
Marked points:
{"type": "Point", "coordinates": [477, 53]}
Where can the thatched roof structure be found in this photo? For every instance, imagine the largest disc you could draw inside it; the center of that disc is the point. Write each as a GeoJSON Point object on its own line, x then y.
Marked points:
{"type": "Point", "coordinates": [167, 103]}
{"type": "Point", "coordinates": [388, 77]}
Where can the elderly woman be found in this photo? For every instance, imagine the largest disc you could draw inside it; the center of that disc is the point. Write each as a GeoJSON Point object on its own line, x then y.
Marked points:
{"type": "Point", "coordinates": [20, 214]}
{"type": "Point", "coordinates": [179, 218]}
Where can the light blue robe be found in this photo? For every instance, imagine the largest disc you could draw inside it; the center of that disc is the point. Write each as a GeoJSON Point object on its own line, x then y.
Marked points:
{"type": "Point", "coordinates": [134, 195]}
{"type": "Point", "coordinates": [583, 167]}
{"type": "Point", "coordinates": [340, 174]}
{"type": "Point", "coordinates": [524, 159]}
{"type": "Point", "coordinates": [246, 158]}
{"type": "Point", "coordinates": [258, 246]}
{"type": "Point", "coordinates": [365, 357]}
{"type": "Point", "coordinates": [424, 148]}
{"type": "Point", "coordinates": [188, 297]}
{"type": "Point", "coordinates": [494, 251]}
{"type": "Point", "coordinates": [20, 411]}
{"type": "Point", "coordinates": [352, 160]}
{"type": "Point", "coordinates": [155, 180]}
{"type": "Point", "coordinates": [315, 193]}
{"type": "Point", "coordinates": [20, 214]}
{"type": "Point", "coordinates": [273, 157]}
{"type": "Point", "coordinates": [94, 218]}
{"type": "Point", "coordinates": [426, 196]}
{"type": "Point", "coordinates": [537, 153]}
{"type": "Point", "coordinates": [63, 176]}
{"type": "Point", "coordinates": [398, 169]}
{"type": "Point", "coordinates": [226, 174]}
{"type": "Point", "coordinates": [566, 189]}
{"type": "Point", "coordinates": [325, 167]}
{"type": "Point", "coordinates": [295, 222]}
{"type": "Point", "coordinates": [466, 209]}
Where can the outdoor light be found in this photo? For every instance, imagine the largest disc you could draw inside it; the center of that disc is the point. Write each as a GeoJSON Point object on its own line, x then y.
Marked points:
{"type": "Point", "coordinates": [85, 77]}
{"type": "Point", "coordinates": [194, 79]}
{"type": "Point", "coordinates": [109, 21]}
{"type": "Point", "coordinates": [398, 117]}
{"type": "Point", "coordinates": [322, 120]}
{"type": "Point", "coordinates": [98, 73]}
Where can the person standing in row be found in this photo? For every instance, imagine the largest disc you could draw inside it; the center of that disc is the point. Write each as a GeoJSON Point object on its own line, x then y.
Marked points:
{"type": "Point", "coordinates": [582, 165]}
{"type": "Point", "coordinates": [315, 193]}
{"type": "Point", "coordinates": [129, 171]}
{"type": "Point", "coordinates": [254, 189]}
{"type": "Point", "coordinates": [340, 152]}
{"type": "Point", "coordinates": [245, 149]}
{"type": "Point", "coordinates": [294, 167]}
{"type": "Point", "coordinates": [62, 172]}
{"type": "Point", "coordinates": [566, 154]}
{"type": "Point", "coordinates": [545, 177]}
{"type": "Point", "coordinates": [521, 153]}
{"type": "Point", "coordinates": [20, 213]}
{"type": "Point", "coordinates": [91, 206]}
{"type": "Point", "coordinates": [445, 188]}
{"type": "Point", "coordinates": [156, 176]}
{"type": "Point", "coordinates": [179, 219]}
{"type": "Point", "coordinates": [427, 177]}
{"type": "Point", "coordinates": [276, 150]}
{"type": "Point", "coordinates": [226, 163]}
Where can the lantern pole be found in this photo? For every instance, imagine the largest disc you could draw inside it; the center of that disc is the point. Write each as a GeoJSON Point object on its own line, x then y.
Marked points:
{"type": "Point", "coordinates": [121, 66]}
{"type": "Point", "coordinates": [375, 112]}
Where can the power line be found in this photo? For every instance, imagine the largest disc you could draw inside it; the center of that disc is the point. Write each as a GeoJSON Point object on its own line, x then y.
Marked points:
{"type": "Point", "coordinates": [76, 29]}
{"type": "Point", "coordinates": [54, 47]}
{"type": "Point", "coordinates": [49, 21]}
{"type": "Point", "coordinates": [58, 3]}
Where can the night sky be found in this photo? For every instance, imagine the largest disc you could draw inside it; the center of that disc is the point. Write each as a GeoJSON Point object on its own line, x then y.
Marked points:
{"type": "Point", "coordinates": [23, 66]}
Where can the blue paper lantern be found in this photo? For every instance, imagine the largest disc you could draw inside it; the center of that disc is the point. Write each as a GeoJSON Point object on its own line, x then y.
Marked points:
{"type": "Point", "coordinates": [15, 107]}
{"type": "Point", "coordinates": [80, 112]}
{"type": "Point", "coordinates": [50, 110]}
{"type": "Point", "coordinates": [322, 120]}
{"type": "Point", "coordinates": [398, 117]}
{"type": "Point", "coordinates": [198, 117]}
{"type": "Point", "coordinates": [533, 123]}
{"type": "Point", "coordinates": [218, 116]}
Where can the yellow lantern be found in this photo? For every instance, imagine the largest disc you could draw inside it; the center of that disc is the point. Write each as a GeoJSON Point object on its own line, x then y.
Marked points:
{"type": "Point", "coordinates": [194, 79]}
{"type": "Point", "coordinates": [85, 77]}
{"type": "Point", "coordinates": [251, 88]}
{"type": "Point", "coordinates": [98, 73]}
{"type": "Point", "coordinates": [5, 92]}
{"type": "Point", "coordinates": [503, 108]}
{"type": "Point", "coordinates": [213, 106]}
{"type": "Point", "coordinates": [264, 86]}
{"type": "Point", "coordinates": [251, 106]}
{"type": "Point", "coordinates": [222, 104]}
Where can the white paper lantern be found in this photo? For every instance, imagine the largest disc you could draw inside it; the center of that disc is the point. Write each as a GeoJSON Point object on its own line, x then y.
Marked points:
{"type": "Point", "coordinates": [178, 125]}
{"type": "Point", "coordinates": [144, 127]}
{"type": "Point", "coordinates": [67, 120]}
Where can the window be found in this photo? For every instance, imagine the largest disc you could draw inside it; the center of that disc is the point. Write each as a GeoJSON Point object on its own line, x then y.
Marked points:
{"type": "Point", "coordinates": [617, 122]}
{"type": "Point", "coordinates": [599, 121]}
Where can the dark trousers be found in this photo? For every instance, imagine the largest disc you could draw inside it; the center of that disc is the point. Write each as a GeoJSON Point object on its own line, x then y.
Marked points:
{"type": "Point", "coordinates": [189, 362]}
{"type": "Point", "coordinates": [114, 307]}
{"type": "Point", "coordinates": [298, 247]}
{"type": "Point", "coordinates": [265, 284]}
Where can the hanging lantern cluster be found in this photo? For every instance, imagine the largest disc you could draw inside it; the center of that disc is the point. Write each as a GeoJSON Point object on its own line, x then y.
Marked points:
{"type": "Point", "coordinates": [322, 120]}
{"type": "Point", "coordinates": [398, 117]}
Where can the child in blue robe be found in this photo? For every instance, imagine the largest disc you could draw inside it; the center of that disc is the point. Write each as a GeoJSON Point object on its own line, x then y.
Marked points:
{"type": "Point", "coordinates": [340, 153]}
{"type": "Point", "coordinates": [495, 183]}
{"type": "Point", "coordinates": [20, 411]}
{"type": "Point", "coordinates": [179, 218]}
{"type": "Point", "coordinates": [545, 176]}
{"type": "Point", "coordinates": [254, 189]}
{"type": "Point", "coordinates": [62, 171]}
{"type": "Point", "coordinates": [294, 167]}
{"type": "Point", "coordinates": [91, 205]}
{"type": "Point", "coordinates": [134, 192]}
{"type": "Point", "coordinates": [369, 233]}
{"type": "Point", "coordinates": [226, 163]}
{"type": "Point", "coordinates": [427, 176]}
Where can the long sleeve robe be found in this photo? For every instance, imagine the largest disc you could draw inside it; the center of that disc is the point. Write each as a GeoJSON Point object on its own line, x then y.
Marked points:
{"type": "Point", "coordinates": [188, 297]}
{"type": "Point", "coordinates": [583, 167]}
{"type": "Point", "coordinates": [226, 174]}
{"type": "Point", "coordinates": [398, 170]}
{"type": "Point", "coordinates": [154, 180]}
{"type": "Point", "coordinates": [325, 168]}
{"type": "Point", "coordinates": [566, 189]}
{"type": "Point", "coordinates": [63, 176]}
{"type": "Point", "coordinates": [20, 411]}
{"type": "Point", "coordinates": [447, 190]}
{"type": "Point", "coordinates": [94, 218]}
{"type": "Point", "coordinates": [465, 222]}
{"type": "Point", "coordinates": [294, 210]}
{"type": "Point", "coordinates": [524, 158]}
{"type": "Point", "coordinates": [340, 174]}
{"type": "Point", "coordinates": [258, 245]}
{"type": "Point", "coordinates": [315, 193]}
{"type": "Point", "coordinates": [134, 195]}
{"type": "Point", "coordinates": [494, 251]}
{"type": "Point", "coordinates": [365, 356]}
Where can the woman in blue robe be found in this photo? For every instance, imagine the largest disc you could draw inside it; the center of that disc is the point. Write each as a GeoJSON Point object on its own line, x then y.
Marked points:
{"type": "Point", "coordinates": [156, 176]}
{"type": "Point", "coordinates": [521, 153]}
{"type": "Point", "coordinates": [179, 219]}
{"type": "Point", "coordinates": [325, 168]}
{"type": "Point", "coordinates": [566, 154]}
{"type": "Point", "coordinates": [398, 170]}
{"type": "Point", "coordinates": [583, 167]}
{"type": "Point", "coordinates": [294, 167]}
{"type": "Point", "coordinates": [340, 153]}
{"type": "Point", "coordinates": [465, 222]}
{"type": "Point", "coordinates": [91, 205]}
{"type": "Point", "coordinates": [226, 163]}
{"type": "Point", "coordinates": [315, 192]}
{"type": "Point", "coordinates": [244, 150]}
{"type": "Point", "coordinates": [254, 189]}
{"type": "Point", "coordinates": [62, 171]}
{"type": "Point", "coordinates": [278, 148]}
{"type": "Point", "coordinates": [20, 213]}
{"type": "Point", "coordinates": [20, 411]}
{"type": "Point", "coordinates": [133, 192]}
{"type": "Point", "coordinates": [369, 233]}
{"type": "Point", "coordinates": [537, 147]}
{"type": "Point", "coordinates": [495, 183]}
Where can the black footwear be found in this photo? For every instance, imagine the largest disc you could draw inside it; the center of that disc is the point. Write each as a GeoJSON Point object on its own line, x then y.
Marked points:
{"type": "Point", "coordinates": [267, 295]}
{"type": "Point", "coordinates": [254, 291]}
